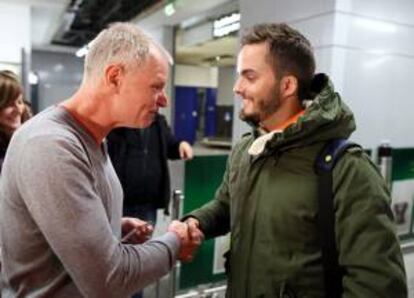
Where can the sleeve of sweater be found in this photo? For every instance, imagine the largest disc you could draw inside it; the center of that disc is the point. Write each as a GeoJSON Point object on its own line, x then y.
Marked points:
{"type": "Point", "coordinates": [57, 185]}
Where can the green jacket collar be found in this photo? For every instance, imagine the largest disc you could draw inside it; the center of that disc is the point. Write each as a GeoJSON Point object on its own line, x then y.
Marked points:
{"type": "Point", "coordinates": [326, 117]}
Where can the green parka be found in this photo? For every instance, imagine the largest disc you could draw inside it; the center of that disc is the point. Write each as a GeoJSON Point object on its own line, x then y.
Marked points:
{"type": "Point", "coordinates": [269, 203]}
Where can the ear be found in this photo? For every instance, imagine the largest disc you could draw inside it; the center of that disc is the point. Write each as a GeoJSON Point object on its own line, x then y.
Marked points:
{"type": "Point", "coordinates": [289, 86]}
{"type": "Point", "coordinates": [113, 75]}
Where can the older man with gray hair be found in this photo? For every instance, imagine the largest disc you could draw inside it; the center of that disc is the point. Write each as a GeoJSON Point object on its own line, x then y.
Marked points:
{"type": "Point", "coordinates": [62, 233]}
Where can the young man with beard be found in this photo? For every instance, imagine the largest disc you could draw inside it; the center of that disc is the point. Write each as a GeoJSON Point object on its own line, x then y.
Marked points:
{"type": "Point", "coordinates": [268, 199]}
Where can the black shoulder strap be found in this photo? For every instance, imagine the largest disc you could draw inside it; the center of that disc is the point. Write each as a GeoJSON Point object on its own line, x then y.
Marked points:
{"type": "Point", "coordinates": [324, 165]}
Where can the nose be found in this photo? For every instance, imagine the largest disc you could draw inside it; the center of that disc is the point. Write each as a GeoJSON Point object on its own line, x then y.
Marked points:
{"type": "Point", "coordinates": [162, 100]}
{"type": "Point", "coordinates": [237, 88]}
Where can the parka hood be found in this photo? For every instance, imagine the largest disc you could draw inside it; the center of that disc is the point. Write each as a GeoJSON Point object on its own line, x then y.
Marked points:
{"type": "Point", "coordinates": [326, 117]}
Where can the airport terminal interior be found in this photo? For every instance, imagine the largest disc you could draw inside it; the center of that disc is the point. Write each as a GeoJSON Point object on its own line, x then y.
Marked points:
{"type": "Point", "coordinates": [365, 46]}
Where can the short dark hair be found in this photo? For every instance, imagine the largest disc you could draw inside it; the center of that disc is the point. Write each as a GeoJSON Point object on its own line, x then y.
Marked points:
{"type": "Point", "coordinates": [290, 52]}
{"type": "Point", "coordinates": [10, 88]}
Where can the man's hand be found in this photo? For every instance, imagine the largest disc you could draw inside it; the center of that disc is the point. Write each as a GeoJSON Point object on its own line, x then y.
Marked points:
{"type": "Point", "coordinates": [181, 230]}
{"type": "Point", "coordinates": [135, 231]}
{"type": "Point", "coordinates": [195, 236]}
{"type": "Point", "coordinates": [186, 151]}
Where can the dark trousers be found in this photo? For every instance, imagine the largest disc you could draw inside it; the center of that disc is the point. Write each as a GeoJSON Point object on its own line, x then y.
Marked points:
{"type": "Point", "coordinates": [147, 212]}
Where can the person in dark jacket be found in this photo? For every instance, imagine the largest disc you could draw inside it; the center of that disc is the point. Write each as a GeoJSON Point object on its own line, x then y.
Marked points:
{"type": "Point", "coordinates": [269, 195]}
{"type": "Point", "coordinates": [139, 157]}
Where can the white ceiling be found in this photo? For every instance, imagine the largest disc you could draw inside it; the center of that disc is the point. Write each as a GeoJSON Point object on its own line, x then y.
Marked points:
{"type": "Point", "coordinates": [39, 2]}
{"type": "Point", "coordinates": [48, 16]}
{"type": "Point", "coordinates": [191, 12]}
{"type": "Point", "coordinates": [46, 19]}
{"type": "Point", "coordinates": [185, 10]}
{"type": "Point", "coordinates": [218, 52]}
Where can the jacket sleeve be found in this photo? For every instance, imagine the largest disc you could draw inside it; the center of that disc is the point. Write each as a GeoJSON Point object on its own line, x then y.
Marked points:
{"type": "Point", "coordinates": [171, 142]}
{"type": "Point", "coordinates": [368, 247]}
{"type": "Point", "coordinates": [214, 217]}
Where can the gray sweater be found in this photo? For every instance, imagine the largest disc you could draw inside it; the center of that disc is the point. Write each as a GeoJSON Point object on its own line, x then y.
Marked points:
{"type": "Point", "coordinates": [60, 210]}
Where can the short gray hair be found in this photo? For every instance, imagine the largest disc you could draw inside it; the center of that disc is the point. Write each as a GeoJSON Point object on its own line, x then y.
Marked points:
{"type": "Point", "coordinates": [120, 43]}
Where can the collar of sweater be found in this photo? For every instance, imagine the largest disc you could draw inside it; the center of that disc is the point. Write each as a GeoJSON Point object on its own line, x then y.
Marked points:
{"type": "Point", "coordinates": [259, 144]}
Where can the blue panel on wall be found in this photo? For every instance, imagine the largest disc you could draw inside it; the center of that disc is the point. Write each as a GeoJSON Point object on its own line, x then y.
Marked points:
{"type": "Point", "coordinates": [185, 124]}
{"type": "Point", "coordinates": [210, 112]}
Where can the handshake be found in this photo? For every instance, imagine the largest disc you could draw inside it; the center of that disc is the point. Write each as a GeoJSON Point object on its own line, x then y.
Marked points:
{"type": "Point", "coordinates": [136, 231]}
{"type": "Point", "coordinates": [190, 237]}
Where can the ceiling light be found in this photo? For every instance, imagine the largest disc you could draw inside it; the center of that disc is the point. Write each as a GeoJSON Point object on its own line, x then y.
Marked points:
{"type": "Point", "coordinates": [33, 78]}
{"type": "Point", "coordinates": [219, 59]}
{"type": "Point", "coordinates": [169, 9]}
{"type": "Point", "coordinates": [226, 25]}
{"type": "Point", "coordinates": [82, 51]}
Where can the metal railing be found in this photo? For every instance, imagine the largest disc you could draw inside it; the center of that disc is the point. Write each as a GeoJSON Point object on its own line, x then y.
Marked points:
{"type": "Point", "coordinates": [206, 292]}
{"type": "Point", "coordinates": [176, 213]}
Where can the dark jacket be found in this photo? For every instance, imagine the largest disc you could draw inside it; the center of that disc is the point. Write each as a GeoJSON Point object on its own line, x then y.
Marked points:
{"type": "Point", "coordinates": [269, 202]}
{"type": "Point", "coordinates": [4, 143]}
{"type": "Point", "coordinates": [120, 145]}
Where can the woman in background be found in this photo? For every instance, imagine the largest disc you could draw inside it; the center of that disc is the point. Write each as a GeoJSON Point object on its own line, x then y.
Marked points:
{"type": "Point", "coordinates": [11, 109]}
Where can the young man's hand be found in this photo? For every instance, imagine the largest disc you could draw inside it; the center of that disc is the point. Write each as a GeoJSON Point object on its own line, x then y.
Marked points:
{"type": "Point", "coordinates": [190, 237]}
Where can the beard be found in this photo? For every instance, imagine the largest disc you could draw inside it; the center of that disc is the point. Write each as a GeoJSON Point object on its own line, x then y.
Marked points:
{"type": "Point", "coordinates": [265, 107]}
{"type": "Point", "coordinates": [251, 119]}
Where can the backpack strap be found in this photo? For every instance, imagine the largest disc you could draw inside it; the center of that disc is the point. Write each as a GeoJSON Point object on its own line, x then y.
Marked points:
{"type": "Point", "coordinates": [324, 164]}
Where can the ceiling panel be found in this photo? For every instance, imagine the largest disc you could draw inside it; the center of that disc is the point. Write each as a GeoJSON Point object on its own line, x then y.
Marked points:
{"type": "Point", "coordinates": [205, 54]}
